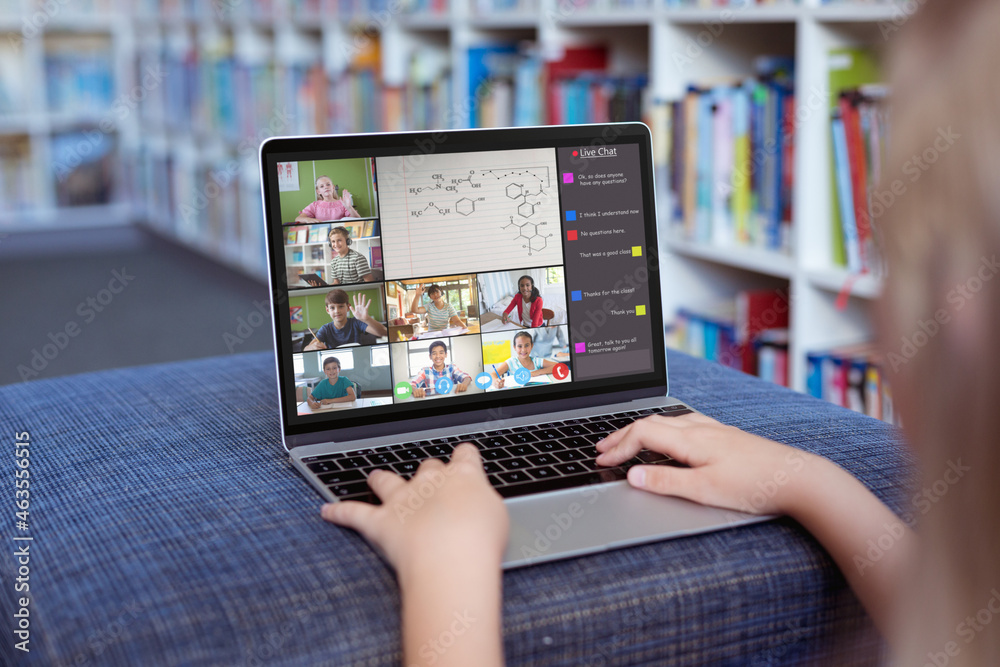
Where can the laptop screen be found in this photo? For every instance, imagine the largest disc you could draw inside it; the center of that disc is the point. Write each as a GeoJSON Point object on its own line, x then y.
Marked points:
{"type": "Point", "coordinates": [432, 274]}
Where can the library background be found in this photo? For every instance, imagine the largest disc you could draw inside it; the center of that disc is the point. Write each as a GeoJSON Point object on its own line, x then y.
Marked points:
{"type": "Point", "coordinates": [769, 122]}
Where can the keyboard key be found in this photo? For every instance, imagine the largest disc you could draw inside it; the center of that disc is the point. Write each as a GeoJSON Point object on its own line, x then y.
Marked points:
{"type": "Point", "coordinates": [342, 477]}
{"type": "Point", "coordinates": [382, 458]}
{"type": "Point", "coordinates": [349, 489]}
{"type": "Point", "coordinates": [542, 459]}
{"type": "Point", "coordinates": [514, 464]}
{"type": "Point", "coordinates": [406, 467]}
{"type": "Point", "coordinates": [574, 429]}
{"type": "Point", "coordinates": [647, 456]}
{"type": "Point", "coordinates": [411, 454]}
{"type": "Point", "coordinates": [438, 450]}
{"type": "Point", "coordinates": [548, 434]}
{"type": "Point", "coordinates": [324, 457]}
{"type": "Point", "coordinates": [677, 413]}
{"type": "Point", "coordinates": [494, 441]}
{"type": "Point", "coordinates": [578, 441]}
{"type": "Point", "coordinates": [494, 454]}
{"type": "Point", "coordinates": [570, 455]}
{"type": "Point", "coordinates": [600, 427]}
{"type": "Point", "coordinates": [515, 477]}
{"type": "Point", "coordinates": [568, 482]}
{"type": "Point", "coordinates": [570, 468]}
{"type": "Point", "coordinates": [323, 466]}
{"type": "Point", "coordinates": [354, 462]}
{"type": "Point", "coordinates": [549, 446]}
{"type": "Point", "coordinates": [368, 497]}
{"type": "Point", "coordinates": [542, 473]}
{"type": "Point", "coordinates": [521, 438]}
{"type": "Point", "coordinates": [620, 422]}
{"type": "Point", "coordinates": [492, 467]}
{"type": "Point", "coordinates": [521, 450]}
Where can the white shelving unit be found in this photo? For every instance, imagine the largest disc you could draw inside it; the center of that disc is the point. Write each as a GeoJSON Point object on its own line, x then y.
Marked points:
{"type": "Point", "coordinates": [172, 161]}
{"type": "Point", "coordinates": [29, 29]}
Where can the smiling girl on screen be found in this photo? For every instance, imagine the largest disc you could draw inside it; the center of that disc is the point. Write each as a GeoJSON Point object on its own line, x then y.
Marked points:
{"type": "Point", "coordinates": [528, 303]}
{"type": "Point", "coordinates": [328, 205]}
{"type": "Point", "coordinates": [523, 342]}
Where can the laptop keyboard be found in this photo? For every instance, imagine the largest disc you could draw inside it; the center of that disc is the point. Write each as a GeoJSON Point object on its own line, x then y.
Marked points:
{"type": "Point", "coordinates": [518, 461]}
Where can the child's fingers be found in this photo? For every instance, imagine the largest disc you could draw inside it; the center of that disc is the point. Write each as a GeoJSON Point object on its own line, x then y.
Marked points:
{"type": "Point", "coordinates": [466, 452]}
{"type": "Point", "coordinates": [668, 481]}
{"type": "Point", "coordinates": [660, 436]}
{"type": "Point", "coordinates": [350, 514]}
{"type": "Point", "coordinates": [384, 483]}
{"type": "Point", "coordinates": [613, 439]}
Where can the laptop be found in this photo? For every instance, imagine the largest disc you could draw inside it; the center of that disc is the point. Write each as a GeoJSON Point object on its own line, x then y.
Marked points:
{"type": "Point", "coordinates": [502, 290]}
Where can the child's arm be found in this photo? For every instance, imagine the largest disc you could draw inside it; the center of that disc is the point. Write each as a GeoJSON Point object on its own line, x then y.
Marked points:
{"type": "Point", "coordinates": [343, 399]}
{"type": "Point", "coordinates": [307, 214]}
{"type": "Point", "coordinates": [506, 313]}
{"type": "Point", "coordinates": [536, 315]}
{"type": "Point", "coordinates": [464, 380]}
{"type": "Point", "coordinates": [446, 553]}
{"type": "Point", "coordinates": [419, 383]}
{"type": "Point", "coordinates": [548, 366]}
{"type": "Point", "coordinates": [415, 306]}
{"type": "Point", "coordinates": [360, 311]}
{"type": "Point", "coordinates": [736, 470]}
{"type": "Point", "coordinates": [498, 375]}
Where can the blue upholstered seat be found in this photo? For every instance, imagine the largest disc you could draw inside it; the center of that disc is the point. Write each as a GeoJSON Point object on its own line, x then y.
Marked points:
{"type": "Point", "coordinates": [170, 529]}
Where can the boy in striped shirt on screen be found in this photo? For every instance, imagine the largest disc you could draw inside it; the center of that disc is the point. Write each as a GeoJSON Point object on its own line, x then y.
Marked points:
{"type": "Point", "coordinates": [347, 266]}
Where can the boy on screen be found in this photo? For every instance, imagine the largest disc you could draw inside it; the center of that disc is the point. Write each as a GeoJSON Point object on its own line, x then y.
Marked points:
{"type": "Point", "coordinates": [336, 388]}
{"type": "Point", "coordinates": [426, 380]}
{"type": "Point", "coordinates": [344, 330]}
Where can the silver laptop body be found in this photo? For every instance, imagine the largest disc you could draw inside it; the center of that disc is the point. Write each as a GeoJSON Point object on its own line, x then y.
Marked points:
{"type": "Point", "coordinates": [570, 203]}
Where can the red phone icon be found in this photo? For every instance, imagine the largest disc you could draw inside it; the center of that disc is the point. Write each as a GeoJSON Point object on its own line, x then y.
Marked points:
{"type": "Point", "coordinates": [561, 371]}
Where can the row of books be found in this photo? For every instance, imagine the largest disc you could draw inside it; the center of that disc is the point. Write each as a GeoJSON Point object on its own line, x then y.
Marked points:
{"type": "Point", "coordinates": [222, 217]}
{"type": "Point", "coordinates": [749, 333]}
{"type": "Point", "coordinates": [859, 128]}
{"type": "Point", "coordinates": [79, 74]}
{"type": "Point", "coordinates": [859, 131]}
{"type": "Point", "coordinates": [510, 84]}
{"type": "Point", "coordinates": [18, 180]}
{"type": "Point", "coordinates": [852, 377]}
{"type": "Point", "coordinates": [730, 160]}
{"type": "Point", "coordinates": [307, 234]}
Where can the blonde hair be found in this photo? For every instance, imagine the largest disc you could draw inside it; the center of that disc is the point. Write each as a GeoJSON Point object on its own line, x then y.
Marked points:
{"type": "Point", "coordinates": [316, 187]}
{"type": "Point", "coordinates": [940, 320]}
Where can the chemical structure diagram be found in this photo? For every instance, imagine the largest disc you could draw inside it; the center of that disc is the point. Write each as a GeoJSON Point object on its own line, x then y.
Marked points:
{"type": "Point", "coordinates": [534, 240]}
{"type": "Point", "coordinates": [524, 189]}
{"type": "Point", "coordinates": [528, 230]}
{"type": "Point", "coordinates": [464, 206]}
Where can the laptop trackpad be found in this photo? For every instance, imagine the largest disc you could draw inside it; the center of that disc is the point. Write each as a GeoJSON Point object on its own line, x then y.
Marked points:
{"type": "Point", "coordinates": [602, 517]}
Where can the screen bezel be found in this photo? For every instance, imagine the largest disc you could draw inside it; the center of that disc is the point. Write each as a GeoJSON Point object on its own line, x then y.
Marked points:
{"type": "Point", "coordinates": [396, 418]}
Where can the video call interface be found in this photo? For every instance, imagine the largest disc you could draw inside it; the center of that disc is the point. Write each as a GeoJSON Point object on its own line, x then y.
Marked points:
{"type": "Point", "coordinates": [426, 278]}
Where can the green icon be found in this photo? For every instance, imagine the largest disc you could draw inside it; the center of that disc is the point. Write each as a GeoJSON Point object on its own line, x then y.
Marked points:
{"type": "Point", "coordinates": [403, 390]}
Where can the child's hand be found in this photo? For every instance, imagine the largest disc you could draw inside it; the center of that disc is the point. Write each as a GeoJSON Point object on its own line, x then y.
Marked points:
{"type": "Point", "coordinates": [446, 512]}
{"type": "Point", "coordinates": [729, 467]}
{"type": "Point", "coordinates": [498, 383]}
{"type": "Point", "coordinates": [314, 344]}
{"type": "Point", "coordinates": [360, 307]}
{"type": "Point", "coordinates": [504, 318]}
{"type": "Point", "coordinates": [419, 392]}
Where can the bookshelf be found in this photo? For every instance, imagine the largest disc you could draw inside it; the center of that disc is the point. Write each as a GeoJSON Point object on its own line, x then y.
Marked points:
{"type": "Point", "coordinates": [188, 159]}
{"type": "Point", "coordinates": [61, 140]}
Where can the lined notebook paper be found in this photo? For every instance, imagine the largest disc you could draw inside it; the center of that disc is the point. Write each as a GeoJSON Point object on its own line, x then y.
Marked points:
{"type": "Point", "coordinates": [468, 212]}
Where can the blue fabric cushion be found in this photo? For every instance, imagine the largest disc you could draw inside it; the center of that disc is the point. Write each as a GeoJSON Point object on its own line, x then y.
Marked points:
{"type": "Point", "coordinates": [170, 529]}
